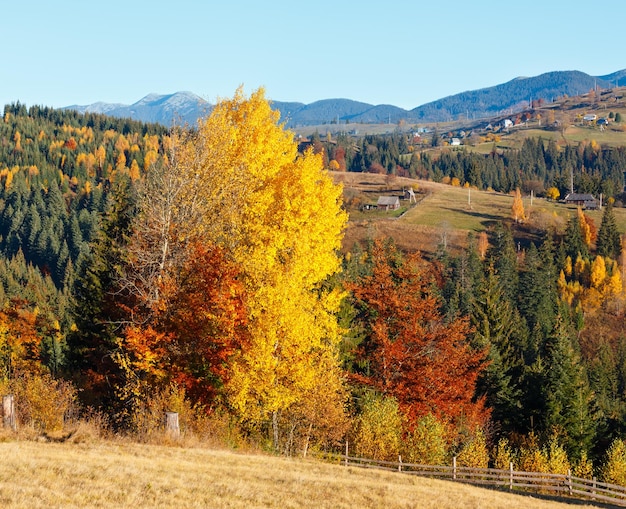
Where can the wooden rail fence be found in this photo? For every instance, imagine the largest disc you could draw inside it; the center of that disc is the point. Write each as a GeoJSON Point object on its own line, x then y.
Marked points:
{"type": "Point", "coordinates": [560, 484]}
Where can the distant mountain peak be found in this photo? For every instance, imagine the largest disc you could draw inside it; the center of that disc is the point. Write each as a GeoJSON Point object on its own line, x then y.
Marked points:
{"type": "Point", "coordinates": [509, 97]}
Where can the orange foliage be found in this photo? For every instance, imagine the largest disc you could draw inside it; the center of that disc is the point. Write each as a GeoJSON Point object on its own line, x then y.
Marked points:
{"type": "Point", "coordinates": [412, 353]}
{"type": "Point", "coordinates": [207, 316]}
{"type": "Point", "coordinates": [199, 327]}
{"type": "Point", "coordinates": [19, 340]}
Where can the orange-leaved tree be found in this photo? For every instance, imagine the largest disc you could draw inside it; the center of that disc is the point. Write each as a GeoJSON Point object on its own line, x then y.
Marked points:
{"type": "Point", "coordinates": [410, 351]}
{"type": "Point", "coordinates": [19, 341]}
{"type": "Point", "coordinates": [192, 337]}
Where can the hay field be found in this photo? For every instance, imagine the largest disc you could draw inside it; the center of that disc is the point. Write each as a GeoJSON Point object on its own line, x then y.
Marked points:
{"type": "Point", "coordinates": [112, 474]}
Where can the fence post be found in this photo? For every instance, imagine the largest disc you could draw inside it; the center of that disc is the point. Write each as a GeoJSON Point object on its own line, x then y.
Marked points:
{"type": "Point", "coordinates": [171, 424]}
{"type": "Point", "coordinates": [399, 463]}
{"type": "Point", "coordinates": [346, 461]}
{"type": "Point", "coordinates": [569, 481]}
{"type": "Point", "coordinates": [593, 493]}
{"type": "Point", "coordinates": [511, 475]}
{"type": "Point", "coordinates": [8, 412]}
{"type": "Point", "coordinates": [454, 468]}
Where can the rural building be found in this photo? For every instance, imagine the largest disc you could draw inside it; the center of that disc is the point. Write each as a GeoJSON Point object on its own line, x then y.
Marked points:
{"type": "Point", "coordinates": [507, 122]}
{"type": "Point", "coordinates": [587, 201]}
{"type": "Point", "coordinates": [388, 203]}
{"type": "Point", "coordinates": [455, 142]}
{"type": "Point", "coordinates": [589, 118]}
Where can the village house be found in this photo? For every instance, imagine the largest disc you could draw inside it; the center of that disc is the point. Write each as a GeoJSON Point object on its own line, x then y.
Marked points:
{"type": "Point", "coordinates": [388, 203]}
{"type": "Point", "coordinates": [585, 200]}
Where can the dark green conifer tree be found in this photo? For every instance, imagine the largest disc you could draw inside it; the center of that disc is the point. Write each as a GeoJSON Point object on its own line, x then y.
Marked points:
{"type": "Point", "coordinates": [608, 242]}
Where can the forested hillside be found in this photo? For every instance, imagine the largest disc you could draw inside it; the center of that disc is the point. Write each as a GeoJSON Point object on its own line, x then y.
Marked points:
{"type": "Point", "coordinates": [538, 165]}
{"type": "Point", "coordinates": [199, 271]}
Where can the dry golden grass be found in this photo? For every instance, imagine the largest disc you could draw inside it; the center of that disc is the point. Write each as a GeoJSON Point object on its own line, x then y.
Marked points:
{"type": "Point", "coordinates": [118, 474]}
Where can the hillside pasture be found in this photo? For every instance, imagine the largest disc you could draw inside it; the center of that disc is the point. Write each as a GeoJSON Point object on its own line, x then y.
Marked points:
{"type": "Point", "coordinates": [445, 214]}
{"type": "Point", "coordinates": [119, 474]}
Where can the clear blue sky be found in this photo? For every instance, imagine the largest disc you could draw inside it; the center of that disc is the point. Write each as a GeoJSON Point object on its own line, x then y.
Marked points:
{"type": "Point", "coordinates": [404, 53]}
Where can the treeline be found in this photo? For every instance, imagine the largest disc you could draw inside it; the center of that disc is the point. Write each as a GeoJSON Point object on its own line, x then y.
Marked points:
{"type": "Point", "coordinates": [538, 165]}
{"type": "Point", "coordinates": [199, 271]}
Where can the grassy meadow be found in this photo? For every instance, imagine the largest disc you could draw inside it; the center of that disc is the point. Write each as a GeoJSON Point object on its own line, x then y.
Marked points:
{"type": "Point", "coordinates": [445, 214]}
{"type": "Point", "coordinates": [122, 474]}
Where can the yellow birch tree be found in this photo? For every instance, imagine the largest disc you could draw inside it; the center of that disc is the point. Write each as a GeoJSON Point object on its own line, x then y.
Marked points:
{"type": "Point", "coordinates": [278, 214]}
{"type": "Point", "coordinates": [518, 206]}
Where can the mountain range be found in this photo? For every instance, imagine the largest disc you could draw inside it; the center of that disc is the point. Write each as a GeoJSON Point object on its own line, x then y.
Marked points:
{"type": "Point", "coordinates": [506, 98]}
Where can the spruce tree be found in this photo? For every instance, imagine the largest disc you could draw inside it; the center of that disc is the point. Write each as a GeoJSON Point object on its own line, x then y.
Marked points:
{"type": "Point", "coordinates": [608, 242]}
{"type": "Point", "coordinates": [495, 323]}
{"type": "Point", "coordinates": [570, 403]}
{"type": "Point", "coordinates": [503, 257]}
{"type": "Point", "coordinates": [574, 242]}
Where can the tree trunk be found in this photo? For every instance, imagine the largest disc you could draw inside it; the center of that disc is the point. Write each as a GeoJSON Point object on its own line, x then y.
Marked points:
{"type": "Point", "coordinates": [8, 412]}
{"type": "Point", "coordinates": [275, 428]}
{"type": "Point", "coordinates": [171, 424]}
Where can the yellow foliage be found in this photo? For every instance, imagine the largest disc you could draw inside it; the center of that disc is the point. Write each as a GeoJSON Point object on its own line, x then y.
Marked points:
{"type": "Point", "coordinates": [122, 144]}
{"type": "Point", "coordinates": [568, 266]}
{"type": "Point", "coordinates": [426, 444]}
{"type": "Point", "coordinates": [615, 283]}
{"type": "Point", "coordinates": [517, 209]}
{"type": "Point", "coordinates": [42, 401]}
{"type": "Point", "coordinates": [278, 215]}
{"type": "Point", "coordinates": [149, 159]}
{"type": "Point", "coordinates": [614, 468]}
{"type": "Point", "coordinates": [584, 228]}
{"type": "Point", "coordinates": [558, 462]}
{"type": "Point", "coordinates": [120, 162]}
{"type": "Point", "coordinates": [581, 268]}
{"type": "Point", "coordinates": [474, 453]}
{"type": "Point", "coordinates": [532, 458]}
{"type": "Point", "coordinates": [553, 193]}
{"type": "Point", "coordinates": [455, 182]}
{"type": "Point", "coordinates": [598, 272]}
{"type": "Point", "coordinates": [333, 165]}
{"type": "Point", "coordinates": [503, 456]}
{"type": "Point", "coordinates": [134, 171]}
{"type": "Point", "coordinates": [151, 143]}
{"type": "Point", "coordinates": [100, 155]}
{"type": "Point", "coordinates": [110, 134]}
{"type": "Point", "coordinates": [584, 467]}
{"type": "Point", "coordinates": [379, 429]}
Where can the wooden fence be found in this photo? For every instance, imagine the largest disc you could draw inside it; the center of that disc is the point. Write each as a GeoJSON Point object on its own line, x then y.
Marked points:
{"type": "Point", "coordinates": [559, 484]}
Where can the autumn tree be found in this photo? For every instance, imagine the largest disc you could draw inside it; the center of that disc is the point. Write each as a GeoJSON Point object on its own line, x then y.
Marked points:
{"type": "Point", "coordinates": [553, 193]}
{"type": "Point", "coordinates": [410, 352]}
{"type": "Point", "coordinates": [192, 337]}
{"type": "Point", "coordinates": [483, 244]}
{"type": "Point", "coordinates": [277, 215]}
{"type": "Point", "coordinates": [517, 209]}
